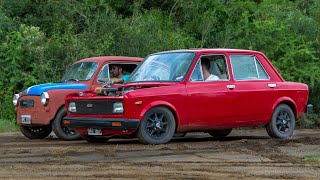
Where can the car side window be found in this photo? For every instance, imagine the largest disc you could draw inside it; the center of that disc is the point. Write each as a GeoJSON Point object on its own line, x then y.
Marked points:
{"type": "Point", "coordinates": [104, 74]}
{"type": "Point", "coordinates": [210, 68]}
{"type": "Point", "coordinates": [197, 73]}
{"type": "Point", "coordinates": [247, 67]}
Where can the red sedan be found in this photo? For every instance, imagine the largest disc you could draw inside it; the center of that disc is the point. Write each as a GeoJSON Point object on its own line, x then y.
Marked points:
{"type": "Point", "coordinates": [206, 90]}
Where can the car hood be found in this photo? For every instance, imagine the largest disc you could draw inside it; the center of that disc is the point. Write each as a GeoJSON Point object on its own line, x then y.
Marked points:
{"type": "Point", "coordinates": [37, 90]}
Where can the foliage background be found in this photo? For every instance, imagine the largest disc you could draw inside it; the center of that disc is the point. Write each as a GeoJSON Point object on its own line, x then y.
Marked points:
{"type": "Point", "coordinates": [39, 39]}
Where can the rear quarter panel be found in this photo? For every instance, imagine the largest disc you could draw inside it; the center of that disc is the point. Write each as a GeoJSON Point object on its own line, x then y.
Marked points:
{"type": "Point", "coordinates": [294, 94]}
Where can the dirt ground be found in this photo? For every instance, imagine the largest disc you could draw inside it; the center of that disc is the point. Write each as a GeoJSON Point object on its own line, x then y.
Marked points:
{"type": "Point", "coordinates": [244, 154]}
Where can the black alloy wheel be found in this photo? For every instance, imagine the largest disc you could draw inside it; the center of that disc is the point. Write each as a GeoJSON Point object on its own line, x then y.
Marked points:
{"type": "Point", "coordinates": [63, 132]}
{"type": "Point", "coordinates": [36, 132]}
{"type": "Point", "coordinates": [282, 123]}
{"type": "Point", "coordinates": [157, 126]}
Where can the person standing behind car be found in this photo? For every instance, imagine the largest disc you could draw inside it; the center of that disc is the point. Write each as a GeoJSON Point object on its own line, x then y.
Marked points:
{"type": "Point", "coordinates": [207, 76]}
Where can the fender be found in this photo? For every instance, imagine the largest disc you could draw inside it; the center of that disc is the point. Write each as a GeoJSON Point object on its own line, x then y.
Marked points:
{"type": "Point", "coordinates": [160, 103]}
{"type": "Point", "coordinates": [282, 99]}
{"type": "Point", "coordinates": [56, 101]}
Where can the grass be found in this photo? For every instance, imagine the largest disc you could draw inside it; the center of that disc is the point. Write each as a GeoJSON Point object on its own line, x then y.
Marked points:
{"type": "Point", "coordinates": [312, 158]}
{"type": "Point", "coordinates": [8, 126]}
{"type": "Point", "coordinates": [309, 120]}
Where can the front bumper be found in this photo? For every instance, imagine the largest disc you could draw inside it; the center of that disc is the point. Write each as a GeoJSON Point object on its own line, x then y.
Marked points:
{"type": "Point", "coordinates": [40, 115]}
{"type": "Point", "coordinates": [101, 123]}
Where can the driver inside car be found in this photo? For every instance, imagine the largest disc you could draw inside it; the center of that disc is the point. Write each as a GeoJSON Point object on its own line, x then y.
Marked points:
{"type": "Point", "coordinates": [118, 76]}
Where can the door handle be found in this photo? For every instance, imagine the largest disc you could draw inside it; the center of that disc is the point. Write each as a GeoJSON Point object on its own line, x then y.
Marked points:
{"type": "Point", "coordinates": [272, 85]}
{"type": "Point", "coordinates": [231, 86]}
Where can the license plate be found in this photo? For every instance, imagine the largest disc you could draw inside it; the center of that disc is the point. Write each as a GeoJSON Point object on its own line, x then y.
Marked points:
{"type": "Point", "coordinates": [26, 119]}
{"type": "Point", "coordinates": [95, 132]}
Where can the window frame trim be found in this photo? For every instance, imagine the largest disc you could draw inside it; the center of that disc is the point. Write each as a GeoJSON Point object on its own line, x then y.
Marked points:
{"type": "Point", "coordinates": [221, 80]}
{"type": "Point", "coordinates": [110, 63]}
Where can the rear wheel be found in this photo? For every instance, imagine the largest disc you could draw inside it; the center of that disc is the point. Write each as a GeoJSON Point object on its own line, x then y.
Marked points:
{"type": "Point", "coordinates": [157, 126]}
{"type": "Point", "coordinates": [36, 132]}
{"type": "Point", "coordinates": [282, 123]}
{"type": "Point", "coordinates": [63, 132]}
{"type": "Point", "coordinates": [94, 139]}
{"type": "Point", "coordinates": [220, 133]}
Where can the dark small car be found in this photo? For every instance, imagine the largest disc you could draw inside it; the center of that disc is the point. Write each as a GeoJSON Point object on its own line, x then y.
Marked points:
{"type": "Point", "coordinates": [206, 90]}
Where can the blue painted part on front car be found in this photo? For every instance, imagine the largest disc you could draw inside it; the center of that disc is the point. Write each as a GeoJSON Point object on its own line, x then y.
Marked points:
{"type": "Point", "coordinates": [37, 90]}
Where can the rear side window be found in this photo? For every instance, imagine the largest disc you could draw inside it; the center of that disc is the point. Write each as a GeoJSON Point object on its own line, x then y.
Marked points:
{"type": "Point", "coordinates": [246, 67]}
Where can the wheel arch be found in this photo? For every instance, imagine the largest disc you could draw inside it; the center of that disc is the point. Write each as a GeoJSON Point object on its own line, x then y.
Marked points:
{"type": "Point", "coordinates": [288, 101]}
{"type": "Point", "coordinates": [56, 101]}
{"type": "Point", "coordinates": [161, 104]}
{"type": "Point", "coordinates": [56, 113]}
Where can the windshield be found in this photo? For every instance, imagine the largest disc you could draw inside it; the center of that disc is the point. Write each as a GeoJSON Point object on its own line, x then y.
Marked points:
{"type": "Point", "coordinates": [80, 71]}
{"type": "Point", "coordinates": [163, 67]}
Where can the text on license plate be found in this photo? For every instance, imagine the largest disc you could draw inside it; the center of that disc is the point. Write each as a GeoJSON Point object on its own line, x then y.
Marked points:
{"type": "Point", "coordinates": [26, 119]}
{"type": "Point", "coordinates": [93, 131]}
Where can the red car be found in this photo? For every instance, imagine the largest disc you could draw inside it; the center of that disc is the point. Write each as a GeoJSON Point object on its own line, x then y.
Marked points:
{"type": "Point", "coordinates": [40, 108]}
{"type": "Point", "coordinates": [206, 90]}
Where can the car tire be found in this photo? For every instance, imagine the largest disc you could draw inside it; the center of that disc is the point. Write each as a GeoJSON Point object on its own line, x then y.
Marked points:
{"type": "Point", "coordinates": [157, 126]}
{"type": "Point", "coordinates": [220, 133]}
{"type": "Point", "coordinates": [63, 132]}
{"type": "Point", "coordinates": [282, 123]}
{"type": "Point", "coordinates": [36, 132]}
{"type": "Point", "coordinates": [93, 139]}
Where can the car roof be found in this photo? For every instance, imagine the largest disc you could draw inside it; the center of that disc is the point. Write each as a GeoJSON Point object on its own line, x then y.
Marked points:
{"type": "Point", "coordinates": [212, 50]}
{"type": "Point", "coordinates": [112, 59]}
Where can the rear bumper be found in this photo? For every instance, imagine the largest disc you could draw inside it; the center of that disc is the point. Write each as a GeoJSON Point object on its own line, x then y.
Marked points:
{"type": "Point", "coordinates": [101, 123]}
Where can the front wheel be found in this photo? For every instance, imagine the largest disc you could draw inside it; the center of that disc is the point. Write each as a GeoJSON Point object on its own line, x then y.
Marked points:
{"type": "Point", "coordinates": [282, 123]}
{"type": "Point", "coordinates": [93, 139]}
{"type": "Point", "coordinates": [36, 132]}
{"type": "Point", "coordinates": [157, 126]}
{"type": "Point", "coordinates": [220, 133]}
{"type": "Point", "coordinates": [63, 132]}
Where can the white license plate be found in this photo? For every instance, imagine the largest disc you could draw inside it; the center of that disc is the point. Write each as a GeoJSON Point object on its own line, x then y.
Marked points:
{"type": "Point", "coordinates": [95, 132]}
{"type": "Point", "coordinates": [26, 119]}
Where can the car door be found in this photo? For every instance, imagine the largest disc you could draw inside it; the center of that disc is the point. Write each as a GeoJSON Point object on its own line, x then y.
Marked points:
{"type": "Point", "coordinates": [210, 102]}
{"type": "Point", "coordinates": [252, 89]}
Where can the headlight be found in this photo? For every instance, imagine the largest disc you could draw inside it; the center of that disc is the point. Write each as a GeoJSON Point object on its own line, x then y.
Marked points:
{"type": "Point", "coordinates": [44, 98]}
{"type": "Point", "coordinates": [117, 107]}
{"type": "Point", "coordinates": [72, 107]}
{"type": "Point", "coordinates": [15, 99]}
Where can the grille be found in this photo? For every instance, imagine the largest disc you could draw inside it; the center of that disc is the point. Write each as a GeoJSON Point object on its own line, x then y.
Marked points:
{"type": "Point", "coordinates": [94, 107]}
{"type": "Point", "coordinates": [26, 103]}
